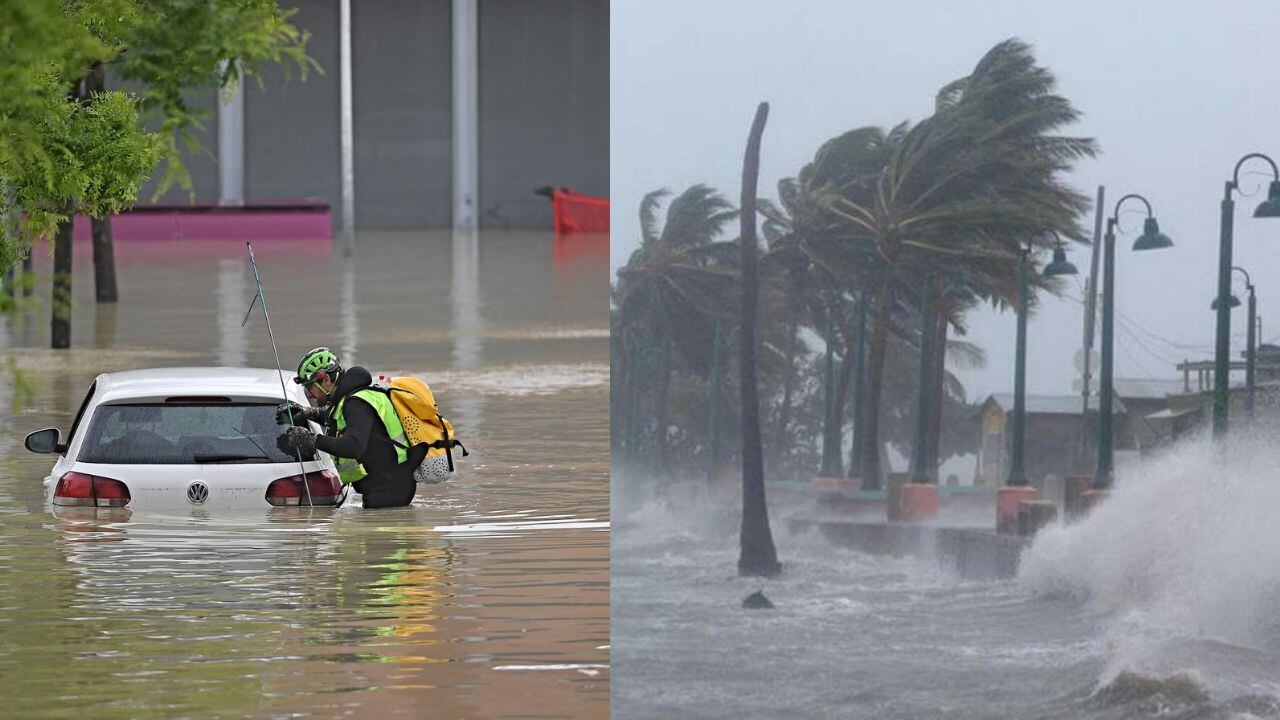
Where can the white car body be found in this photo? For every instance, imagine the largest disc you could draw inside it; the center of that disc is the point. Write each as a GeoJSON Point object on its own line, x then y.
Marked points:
{"type": "Point", "coordinates": [228, 485]}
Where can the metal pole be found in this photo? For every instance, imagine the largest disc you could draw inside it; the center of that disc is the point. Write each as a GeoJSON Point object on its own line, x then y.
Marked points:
{"type": "Point", "coordinates": [1222, 339]}
{"type": "Point", "coordinates": [465, 113]}
{"type": "Point", "coordinates": [231, 146]}
{"type": "Point", "coordinates": [346, 129]}
{"type": "Point", "coordinates": [830, 433]}
{"type": "Point", "coordinates": [1017, 475]}
{"type": "Point", "coordinates": [306, 484]}
{"type": "Point", "coordinates": [1252, 354]}
{"type": "Point", "coordinates": [920, 466]}
{"type": "Point", "coordinates": [1090, 319]}
{"type": "Point", "coordinates": [1102, 475]}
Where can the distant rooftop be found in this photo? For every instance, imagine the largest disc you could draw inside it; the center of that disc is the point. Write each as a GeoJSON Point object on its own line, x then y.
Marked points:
{"type": "Point", "coordinates": [1051, 404]}
{"type": "Point", "coordinates": [1147, 388]}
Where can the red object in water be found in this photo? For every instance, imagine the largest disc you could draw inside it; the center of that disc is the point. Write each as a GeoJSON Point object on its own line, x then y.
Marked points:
{"type": "Point", "coordinates": [576, 213]}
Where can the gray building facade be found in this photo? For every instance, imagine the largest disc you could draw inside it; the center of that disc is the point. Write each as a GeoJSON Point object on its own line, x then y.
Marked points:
{"type": "Point", "coordinates": [543, 113]}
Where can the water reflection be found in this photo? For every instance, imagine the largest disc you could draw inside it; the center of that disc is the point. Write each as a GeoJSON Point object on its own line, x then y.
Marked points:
{"type": "Point", "coordinates": [233, 301]}
{"type": "Point", "coordinates": [487, 597]}
{"type": "Point", "coordinates": [347, 311]}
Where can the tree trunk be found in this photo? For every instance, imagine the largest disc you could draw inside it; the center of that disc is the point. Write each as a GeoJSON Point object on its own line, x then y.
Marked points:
{"type": "Point", "coordinates": [28, 277]}
{"type": "Point", "coordinates": [664, 406]}
{"type": "Point", "coordinates": [104, 258]}
{"type": "Point", "coordinates": [831, 424]}
{"type": "Point", "coordinates": [60, 327]}
{"type": "Point", "coordinates": [871, 468]}
{"type": "Point", "coordinates": [757, 553]}
{"type": "Point", "coordinates": [841, 400]}
{"type": "Point", "coordinates": [783, 435]}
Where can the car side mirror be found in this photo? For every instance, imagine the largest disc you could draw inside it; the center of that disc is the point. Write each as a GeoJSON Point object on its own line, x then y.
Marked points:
{"type": "Point", "coordinates": [45, 441]}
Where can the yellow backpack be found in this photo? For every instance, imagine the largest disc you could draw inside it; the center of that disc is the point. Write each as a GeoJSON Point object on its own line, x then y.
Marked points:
{"type": "Point", "coordinates": [423, 424]}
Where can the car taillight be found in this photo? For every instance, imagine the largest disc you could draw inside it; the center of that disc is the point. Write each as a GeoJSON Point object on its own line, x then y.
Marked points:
{"type": "Point", "coordinates": [93, 490]}
{"type": "Point", "coordinates": [324, 486]}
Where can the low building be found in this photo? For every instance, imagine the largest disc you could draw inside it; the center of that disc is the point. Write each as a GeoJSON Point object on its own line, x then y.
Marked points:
{"type": "Point", "coordinates": [1054, 436]}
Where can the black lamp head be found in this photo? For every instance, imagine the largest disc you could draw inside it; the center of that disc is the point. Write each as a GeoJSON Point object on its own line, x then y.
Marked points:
{"type": "Point", "coordinates": [1060, 265]}
{"type": "Point", "coordinates": [1270, 207]}
{"type": "Point", "coordinates": [1232, 301]}
{"type": "Point", "coordinates": [1152, 238]}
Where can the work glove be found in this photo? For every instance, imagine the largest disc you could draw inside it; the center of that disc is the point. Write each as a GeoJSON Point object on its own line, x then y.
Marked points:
{"type": "Point", "coordinates": [297, 440]}
{"type": "Point", "coordinates": [301, 414]}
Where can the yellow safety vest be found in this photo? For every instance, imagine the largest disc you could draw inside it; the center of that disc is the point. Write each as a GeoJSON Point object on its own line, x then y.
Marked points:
{"type": "Point", "coordinates": [349, 469]}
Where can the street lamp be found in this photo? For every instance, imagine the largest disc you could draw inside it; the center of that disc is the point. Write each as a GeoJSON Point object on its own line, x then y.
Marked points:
{"type": "Point", "coordinates": [920, 471]}
{"type": "Point", "coordinates": [1059, 266]}
{"type": "Point", "coordinates": [1151, 239]}
{"type": "Point", "coordinates": [1251, 343]}
{"type": "Point", "coordinates": [1269, 208]}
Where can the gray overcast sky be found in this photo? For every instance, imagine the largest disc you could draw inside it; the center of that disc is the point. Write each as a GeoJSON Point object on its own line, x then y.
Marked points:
{"type": "Point", "coordinates": [1175, 93]}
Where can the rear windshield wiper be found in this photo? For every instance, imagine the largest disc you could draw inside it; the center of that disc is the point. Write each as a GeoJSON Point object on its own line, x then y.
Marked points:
{"type": "Point", "coordinates": [215, 458]}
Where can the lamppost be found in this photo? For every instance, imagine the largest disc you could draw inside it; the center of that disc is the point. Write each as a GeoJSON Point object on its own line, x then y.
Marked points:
{"type": "Point", "coordinates": [1251, 342]}
{"type": "Point", "coordinates": [920, 472]}
{"type": "Point", "coordinates": [1059, 266]}
{"type": "Point", "coordinates": [1151, 239]}
{"type": "Point", "coordinates": [1222, 354]}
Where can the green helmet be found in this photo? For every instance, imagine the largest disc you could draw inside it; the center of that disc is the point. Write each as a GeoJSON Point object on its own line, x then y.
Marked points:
{"type": "Point", "coordinates": [320, 359]}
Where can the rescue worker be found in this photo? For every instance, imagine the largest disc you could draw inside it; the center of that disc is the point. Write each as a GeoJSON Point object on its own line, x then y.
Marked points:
{"type": "Point", "coordinates": [360, 424]}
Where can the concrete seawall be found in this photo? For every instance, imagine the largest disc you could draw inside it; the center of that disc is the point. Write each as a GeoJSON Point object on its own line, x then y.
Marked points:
{"type": "Point", "coordinates": [972, 553]}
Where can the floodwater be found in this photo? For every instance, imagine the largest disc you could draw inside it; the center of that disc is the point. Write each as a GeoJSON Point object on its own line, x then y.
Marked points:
{"type": "Point", "coordinates": [488, 597]}
{"type": "Point", "coordinates": [1164, 603]}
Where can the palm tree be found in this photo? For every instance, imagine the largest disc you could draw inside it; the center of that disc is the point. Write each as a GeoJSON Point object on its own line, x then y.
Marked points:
{"type": "Point", "coordinates": [669, 293]}
{"type": "Point", "coordinates": [757, 553]}
{"type": "Point", "coordinates": [958, 194]}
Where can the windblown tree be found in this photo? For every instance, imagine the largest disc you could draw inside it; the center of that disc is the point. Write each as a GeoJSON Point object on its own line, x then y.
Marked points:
{"type": "Point", "coordinates": [811, 253]}
{"type": "Point", "coordinates": [668, 297]}
{"type": "Point", "coordinates": [957, 196]}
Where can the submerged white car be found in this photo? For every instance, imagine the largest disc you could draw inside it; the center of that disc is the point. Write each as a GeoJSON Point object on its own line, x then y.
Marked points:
{"type": "Point", "coordinates": [183, 437]}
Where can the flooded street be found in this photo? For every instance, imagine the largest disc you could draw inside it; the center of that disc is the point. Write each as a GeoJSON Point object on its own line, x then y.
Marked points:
{"type": "Point", "coordinates": [1139, 611]}
{"type": "Point", "coordinates": [488, 597]}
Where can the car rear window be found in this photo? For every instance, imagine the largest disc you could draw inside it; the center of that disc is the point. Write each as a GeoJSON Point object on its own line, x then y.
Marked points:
{"type": "Point", "coordinates": [183, 434]}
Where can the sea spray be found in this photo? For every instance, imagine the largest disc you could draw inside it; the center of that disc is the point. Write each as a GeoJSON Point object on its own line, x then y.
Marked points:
{"type": "Point", "coordinates": [1186, 549]}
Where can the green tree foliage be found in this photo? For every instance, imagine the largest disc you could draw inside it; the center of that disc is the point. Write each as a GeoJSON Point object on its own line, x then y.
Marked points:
{"type": "Point", "coordinates": [54, 158]}
{"type": "Point", "coordinates": [873, 215]}
{"type": "Point", "coordinates": [169, 47]}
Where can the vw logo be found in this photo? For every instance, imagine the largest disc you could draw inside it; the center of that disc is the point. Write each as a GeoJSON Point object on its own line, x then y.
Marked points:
{"type": "Point", "coordinates": [197, 492]}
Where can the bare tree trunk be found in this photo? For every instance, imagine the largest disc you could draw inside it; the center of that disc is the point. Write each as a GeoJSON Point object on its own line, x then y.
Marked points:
{"type": "Point", "coordinates": [871, 467]}
{"type": "Point", "coordinates": [28, 281]}
{"type": "Point", "coordinates": [757, 553]}
{"type": "Point", "coordinates": [60, 326]}
{"type": "Point", "coordinates": [104, 257]}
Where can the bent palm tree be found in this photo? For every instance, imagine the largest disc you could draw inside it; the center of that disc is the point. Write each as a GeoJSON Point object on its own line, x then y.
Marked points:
{"type": "Point", "coordinates": [958, 194]}
{"type": "Point", "coordinates": [670, 291]}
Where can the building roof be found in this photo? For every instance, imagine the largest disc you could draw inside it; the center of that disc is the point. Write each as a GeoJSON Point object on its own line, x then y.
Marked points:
{"type": "Point", "coordinates": [1147, 388]}
{"type": "Point", "coordinates": [1050, 404]}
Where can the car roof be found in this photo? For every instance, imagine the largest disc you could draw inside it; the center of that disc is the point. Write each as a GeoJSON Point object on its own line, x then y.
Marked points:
{"type": "Point", "coordinates": [260, 383]}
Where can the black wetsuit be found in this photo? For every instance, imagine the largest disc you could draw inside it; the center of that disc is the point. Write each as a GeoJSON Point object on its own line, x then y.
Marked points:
{"type": "Point", "coordinates": [365, 438]}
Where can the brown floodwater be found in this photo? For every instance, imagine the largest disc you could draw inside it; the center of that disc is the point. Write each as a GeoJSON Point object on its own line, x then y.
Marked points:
{"type": "Point", "coordinates": [488, 597]}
